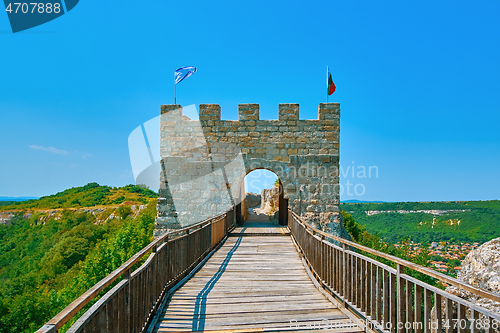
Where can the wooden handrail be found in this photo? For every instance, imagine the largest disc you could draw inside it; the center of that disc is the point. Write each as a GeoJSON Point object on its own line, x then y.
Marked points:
{"type": "Point", "coordinates": [452, 281]}
{"type": "Point", "coordinates": [68, 312]}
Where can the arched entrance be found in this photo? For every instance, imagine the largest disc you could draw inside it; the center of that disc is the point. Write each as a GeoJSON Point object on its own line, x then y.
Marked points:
{"type": "Point", "coordinates": [264, 186]}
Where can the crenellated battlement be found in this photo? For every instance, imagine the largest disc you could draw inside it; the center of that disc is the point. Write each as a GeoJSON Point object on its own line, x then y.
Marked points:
{"type": "Point", "coordinates": [250, 112]}
{"type": "Point", "coordinates": [269, 139]}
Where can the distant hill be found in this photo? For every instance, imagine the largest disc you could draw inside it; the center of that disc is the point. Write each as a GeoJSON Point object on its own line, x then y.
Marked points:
{"type": "Point", "coordinates": [359, 201]}
{"type": "Point", "coordinates": [458, 221]}
{"type": "Point", "coordinates": [17, 198]}
{"type": "Point", "coordinates": [89, 195]}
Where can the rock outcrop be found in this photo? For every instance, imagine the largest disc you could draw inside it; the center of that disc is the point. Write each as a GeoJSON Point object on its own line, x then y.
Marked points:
{"type": "Point", "coordinates": [481, 268]}
{"type": "Point", "coordinates": [56, 214]}
{"type": "Point", "coordinates": [5, 218]}
{"type": "Point", "coordinates": [269, 201]}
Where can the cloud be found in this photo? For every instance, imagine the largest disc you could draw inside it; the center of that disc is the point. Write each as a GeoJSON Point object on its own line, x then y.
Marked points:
{"type": "Point", "coordinates": [83, 154]}
{"type": "Point", "coordinates": [49, 149]}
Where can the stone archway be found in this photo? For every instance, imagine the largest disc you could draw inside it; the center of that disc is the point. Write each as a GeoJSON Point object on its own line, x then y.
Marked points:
{"type": "Point", "coordinates": [202, 160]}
{"type": "Point", "coordinates": [282, 201]}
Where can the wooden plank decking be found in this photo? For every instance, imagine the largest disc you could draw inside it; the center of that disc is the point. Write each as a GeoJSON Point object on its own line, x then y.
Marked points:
{"type": "Point", "coordinates": [260, 225]}
{"type": "Point", "coordinates": [252, 284]}
{"type": "Point", "coordinates": [259, 229]}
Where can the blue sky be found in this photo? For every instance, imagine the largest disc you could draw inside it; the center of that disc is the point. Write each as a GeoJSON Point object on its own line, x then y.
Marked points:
{"type": "Point", "coordinates": [418, 83]}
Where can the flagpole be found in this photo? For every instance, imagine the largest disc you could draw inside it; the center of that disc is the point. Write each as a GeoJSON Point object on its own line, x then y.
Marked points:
{"type": "Point", "coordinates": [326, 84]}
{"type": "Point", "coordinates": [179, 75]}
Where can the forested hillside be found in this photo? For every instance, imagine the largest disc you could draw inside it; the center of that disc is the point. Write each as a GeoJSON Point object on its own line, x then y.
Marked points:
{"type": "Point", "coordinates": [464, 221]}
{"type": "Point", "coordinates": [89, 195]}
{"type": "Point", "coordinates": [47, 260]}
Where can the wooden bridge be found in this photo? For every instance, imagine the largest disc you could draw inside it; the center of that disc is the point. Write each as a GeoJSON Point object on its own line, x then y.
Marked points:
{"type": "Point", "coordinates": [215, 277]}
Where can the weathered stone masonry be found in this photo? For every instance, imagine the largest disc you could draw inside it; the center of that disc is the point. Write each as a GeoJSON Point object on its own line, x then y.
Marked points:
{"type": "Point", "coordinates": [303, 153]}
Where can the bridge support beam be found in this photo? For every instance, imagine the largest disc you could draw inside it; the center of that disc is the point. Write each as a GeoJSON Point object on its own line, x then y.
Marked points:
{"type": "Point", "coordinates": [283, 211]}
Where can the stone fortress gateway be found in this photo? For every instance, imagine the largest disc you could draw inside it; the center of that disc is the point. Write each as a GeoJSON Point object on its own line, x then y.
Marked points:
{"type": "Point", "coordinates": [203, 163]}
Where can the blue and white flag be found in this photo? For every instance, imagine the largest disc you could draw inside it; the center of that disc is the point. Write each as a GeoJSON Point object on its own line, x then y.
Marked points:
{"type": "Point", "coordinates": [183, 72]}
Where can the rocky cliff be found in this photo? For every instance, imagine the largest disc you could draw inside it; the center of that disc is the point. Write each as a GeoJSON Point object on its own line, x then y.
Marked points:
{"type": "Point", "coordinates": [481, 268]}
{"type": "Point", "coordinates": [269, 203]}
{"type": "Point", "coordinates": [102, 214]}
{"type": "Point", "coordinates": [270, 199]}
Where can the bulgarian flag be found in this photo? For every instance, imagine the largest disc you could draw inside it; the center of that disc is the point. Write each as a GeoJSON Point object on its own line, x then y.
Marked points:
{"type": "Point", "coordinates": [329, 83]}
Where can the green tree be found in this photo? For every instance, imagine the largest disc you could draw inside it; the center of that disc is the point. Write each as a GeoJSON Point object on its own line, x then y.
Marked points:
{"type": "Point", "coordinates": [124, 211]}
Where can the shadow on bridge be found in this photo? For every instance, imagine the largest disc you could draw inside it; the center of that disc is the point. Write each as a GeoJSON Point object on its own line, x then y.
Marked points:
{"type": "Point", "coordinates": [201, 300]}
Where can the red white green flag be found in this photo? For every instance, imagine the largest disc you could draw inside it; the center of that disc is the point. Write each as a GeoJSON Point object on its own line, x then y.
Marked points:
{"type": "Point", "coordinates": [329, 83]}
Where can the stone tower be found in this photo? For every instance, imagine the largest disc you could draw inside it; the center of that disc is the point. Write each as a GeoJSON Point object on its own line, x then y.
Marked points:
{"type": "Point", "coordinates": [203, 162]}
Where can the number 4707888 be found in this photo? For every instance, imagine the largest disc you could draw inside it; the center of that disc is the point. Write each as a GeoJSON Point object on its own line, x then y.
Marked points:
{"type": "Point", "coordinates": [33, 7]}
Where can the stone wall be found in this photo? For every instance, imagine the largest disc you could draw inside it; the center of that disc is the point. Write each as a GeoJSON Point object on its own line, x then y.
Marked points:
{"type": "Point", "coordinates": [252, 200]}
{"type": "Point", "coordinates": [204, 162]}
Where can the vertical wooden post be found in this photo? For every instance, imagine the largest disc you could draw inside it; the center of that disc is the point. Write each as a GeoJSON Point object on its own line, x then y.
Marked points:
{"type": "Point", "coordinates": [336, 273]}
{"type": "Point", "coordinates": [321, 268]}
{"type": "Point", "coordinates": [463, 322]}
{"type": "Point", "coordinates": [188, 240]}
{"type": "Point", "coordinates": [449, 316]}
{"type": "Point", "coordinates": [281, 205]}
{"type": "Point", "coordinates": [401, 299]}
{"type": "Point", "coordinates": [364, 286]}
{"type": "Point", "coordinates": [331, 269]}
{"type": "Point", "coordinates": [437, 305]}
{"type": "Point", "coordinates": [283, 209]}
{"type": "Point", "coordinates": [475, 316]}
{"type": "Point", "coordinates": [378, 300]}
{"type": "Point", "coordinates": [427, 311]}
{"type": "Point", "coordinates": [226, 222]}
{"type": "Point", "coordinates": [409, 305]}
{"type": "Point", "coordinates": [126, 276]}
{"type": "Point", "coordinates": [359, 282]}
{"type": "Point", "coordinates": [418, 308]}
{"type": "Point", "coordinates": [393, 293]}
{"type": "Point", "coordinates": [374, 291]}
{"type": "Point", "coordinates": [386, 298]}
{"type": "Point", "coordinates": [239, 217]}
{"type": "Point", "coordinates": [344, 273]}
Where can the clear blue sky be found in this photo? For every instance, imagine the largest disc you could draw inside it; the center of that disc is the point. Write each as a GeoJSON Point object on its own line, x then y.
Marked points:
{"type": "Point", "coordinates": [418, 83]}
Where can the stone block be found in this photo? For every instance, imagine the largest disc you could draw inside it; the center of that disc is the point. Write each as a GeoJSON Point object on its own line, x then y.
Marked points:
{"type": "Point", "coordinates": [211, 110]}
{"type": "Point", "coordinates": [287, 110]}
{"type": "Point", "coordinates": [248, 112]}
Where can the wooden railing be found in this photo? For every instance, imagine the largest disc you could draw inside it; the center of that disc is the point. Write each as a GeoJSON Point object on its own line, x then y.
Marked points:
{"type": "Point", "coordinates": [130, 305]}
{"type": "Point", "coordinates": [385, 297]}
